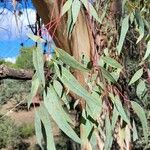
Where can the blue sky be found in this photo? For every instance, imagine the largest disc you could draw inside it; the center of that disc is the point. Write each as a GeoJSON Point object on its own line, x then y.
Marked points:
{"type": "Point", "coordinates": [13, 33]}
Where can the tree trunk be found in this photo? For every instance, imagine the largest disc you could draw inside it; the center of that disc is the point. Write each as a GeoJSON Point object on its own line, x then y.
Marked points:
{"type": "Point", "coordinates": [81, 41]}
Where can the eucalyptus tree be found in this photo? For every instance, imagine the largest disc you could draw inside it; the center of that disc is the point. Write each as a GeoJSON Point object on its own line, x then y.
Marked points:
{"type": "Point", "coordinates": [100, 67]}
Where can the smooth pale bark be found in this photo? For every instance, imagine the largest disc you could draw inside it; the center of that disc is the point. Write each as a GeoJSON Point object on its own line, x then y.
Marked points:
{"type": "Point", "coordinates": [79, 43]}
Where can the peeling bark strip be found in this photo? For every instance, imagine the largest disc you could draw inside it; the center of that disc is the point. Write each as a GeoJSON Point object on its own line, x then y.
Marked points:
{"type": "Point", "coordinates": [10, 73]}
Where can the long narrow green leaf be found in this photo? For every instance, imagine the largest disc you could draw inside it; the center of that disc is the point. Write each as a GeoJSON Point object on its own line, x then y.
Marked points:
{"type": "Point", "coordinates": [45, 118]}
{"type": "Point", "coordinates": [112, 62]}
{"type": "Point", "coordinates": [39, 64]}
{"type": "Point", "coordinates": [107, 75]}
{"type": "Point", "coordinates": [34, 88]}
{"type": "Point", "coordinates": [69, 60]}
{"type": "Point", "coordinates": [141, 114]}
{"type": "Point", "coordinates": [141, 25]}
{"type": "Point", "coordinates": [90, 9]}
{"type": "Point", "coordinates": [59, 90]}
{"type": "Point", "coordinates": [58, 87]}
{"type": "Point", "coordinates": [147, 51]}
{"type": "Point", "coordinates": [120, 108]}
{"type": "Point", "coordinates": [95, 110]}
{"type": "Point", "coordinates": [124, 30]}
{"type": "Point", "coordinates": [36, 38]}
{"type": "Point", "coordinates": [135, 134]}
{"type": "Point", "coordinates": [58, 105]}
{"type": "Point", "coordinates": [136, 76]}
{"type": "Point", "coordinates": [71, 82]}
{"type": "Point", "coordinates": [86, 126]}
{"type": "Point", "coordinates": [66, 7]}
{"type": "Point", "coordinates": [141, 87]}
{"type": "Point", "coordinates": [69, 23]}
{"type": "Point", "coordinates": [76, 5]}
{"type": "Point", "coordinates": [38, 130]}
{"type": "Point", "coordinates": [58, 115]}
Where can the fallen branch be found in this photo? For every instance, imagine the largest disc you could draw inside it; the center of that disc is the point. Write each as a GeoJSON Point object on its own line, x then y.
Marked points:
{"type": "Point", "coordinates": [11, 73]}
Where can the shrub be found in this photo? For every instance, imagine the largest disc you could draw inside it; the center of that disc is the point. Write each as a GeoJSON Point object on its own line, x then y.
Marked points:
{"type": "Point", "coordinates": [14, 89]}
{"type": "Point", "coordinates": [9, 133]}
{"type": "Point", "coordinates": [26, 130]}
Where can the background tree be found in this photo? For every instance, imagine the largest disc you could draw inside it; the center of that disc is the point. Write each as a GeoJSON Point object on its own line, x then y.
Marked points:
{"type": "Point", "coordinates": [24, 60]}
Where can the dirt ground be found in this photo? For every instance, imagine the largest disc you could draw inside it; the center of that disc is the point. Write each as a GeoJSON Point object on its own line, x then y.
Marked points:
{"type": "Point", "coordinates": [25, 117]}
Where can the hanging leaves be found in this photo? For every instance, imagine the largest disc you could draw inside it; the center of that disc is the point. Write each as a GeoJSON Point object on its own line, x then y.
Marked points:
{"type": "Point", "coordinates": [71, 83]}
{"type": "Point", "coordinates": [76, 5]}
{"type": "Point", "coordinates": [135, 135]}
{"type": "Point", "coordinates": [36, 38]}
{"type": "Point", "coordinates": [141, 114]}
{"type": "Point", "coordinates": [39, 64]}
{"type": "Point", "coordinates": [34, 88]}
{"type": "Point", "coordinates": [66, 7]}
{"type": "Point", "coordinates": [107, 75]}
{"type": "Point", "coordinates": [69, 60]}
{"type": "Point", "coordinates": [141, 87]}
{"type": "Point", "coordinates": [90, 9]}
{"type": "Point", "coordinates": [38, 130]}
{"type": "Point", "coordinates": [147, 51]}
{"type": "Point", "coordinates": [140, 24]}
{"type": "Point", "coordinates": [112, 62]}
{"type": "Point", "coordinates": [124, 30]}
{"type": "Point", "coordinates": [56, 111]}
{"type": "Point", "coordinates": [117, 102]}
{"type": "Point", "coordinates": [136, 76]}
{"type": "Point", "coordinates": [45, 118]}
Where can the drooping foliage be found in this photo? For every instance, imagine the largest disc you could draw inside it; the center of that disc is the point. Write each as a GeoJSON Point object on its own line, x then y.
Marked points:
{"type": "Point", "coordinates": [107, 104]}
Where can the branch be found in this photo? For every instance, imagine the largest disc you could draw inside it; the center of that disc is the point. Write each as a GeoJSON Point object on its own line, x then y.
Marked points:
{"type": "Point", "coordinates": [11, 73]}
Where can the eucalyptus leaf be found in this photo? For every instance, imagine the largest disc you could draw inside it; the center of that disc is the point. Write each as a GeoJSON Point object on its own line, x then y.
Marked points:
{"type": "Point", "coordinates": [90, 9]}
{"type": "Point", "coordinates": [135, 135]}
{"type": "Point", "coordinates": [58, 87]}
{"type": "Point", "coordinates": [36, 38]}
{"type": "Point", "coordinates": [71, 82]}
{"type": "Point", "coordinates": [76, 5]}
{"type": "Point", "coordinates": [66, 7]}
{"type": "Point", "coordinates": [86, 127]}
{"type": "Point", "coordinates": [70, 24]}
{"type": "Point", "coordinates": [136, 76]}
{"type": "Point", "coordinates": [107, 75]}
{"type": "Point", "coordinates": [112, 62]}
{"type": "Point", "coordinates": [141, 87]}
{"type": "Point", "coordinates": [56, 99]}
{"type": "Point", "coordinates": [55, 110]}
{"type": "Point", "coordinates": [38, 130]}
{"type": "Point", "coordinates": [69, 60]}
{"type": "Point", "coordinates": [117, 102]}
{"type": "Point", "coordinates": [34, 89]}
{"type": "Point", "coordinates": [45, 118]}
{"type": "Point", "coordinates": [95, 110]}
{"type": "Point", "coordinates": [141, 25]}
{"type": "Point", "coordinates": [124, 30]}
{"type": "Point", "coordinates": [39, 64]}
{"type": "Point", "coordinates": [141, 114]}
{"type": "Point", "coordinates": [147, 51]}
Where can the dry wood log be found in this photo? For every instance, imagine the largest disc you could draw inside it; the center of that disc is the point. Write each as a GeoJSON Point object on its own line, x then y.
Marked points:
{"type": "Point", "coordinates": [11, 73]}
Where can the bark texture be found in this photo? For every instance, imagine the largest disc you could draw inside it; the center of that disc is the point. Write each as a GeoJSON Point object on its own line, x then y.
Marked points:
{"type": "Point", "coordinates": [10, 73]}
